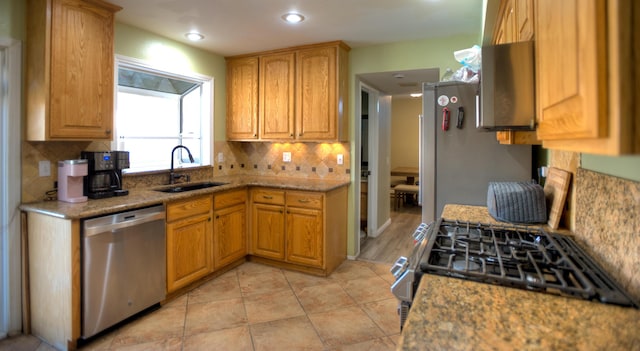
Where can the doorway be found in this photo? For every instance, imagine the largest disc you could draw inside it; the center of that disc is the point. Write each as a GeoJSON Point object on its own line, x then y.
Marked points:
{"type": "Point", "coordinates": [376, 94]}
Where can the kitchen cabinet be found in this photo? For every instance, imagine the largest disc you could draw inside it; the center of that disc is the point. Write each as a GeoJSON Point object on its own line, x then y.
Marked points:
{"type": "Point", "coordinates": [293, 94]}
{"type": "Point", "coordinates": [321, 93]}
{"type": "Point", "coordinates": [304, 228]}
{"type": "Point", "coordinates": [189, 241]}
{"type": "Point", "coordinates": [277, 96]}
{"type": "Point", "coordinates": [70, 63]}
{"type": "Point", "coordinates": [268, 223]}
{"type": "Point", "coordinates": [229, 227]}
{"type": "Point", "coordinates": [586, 75]}
{"type": "Point", "coordinates": [515, 24]}
{"type": "Point", "coordinates": [242, 98]}
{"type": "Point", "coordinates": [300, 230]}
{"type": "Point", "coordinates": [52, 267]}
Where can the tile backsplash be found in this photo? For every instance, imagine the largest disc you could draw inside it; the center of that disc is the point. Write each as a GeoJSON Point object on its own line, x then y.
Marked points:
{"type": "Point", "coordinates": [308, 160]}
{"type": "Point", "coordinates": [608, 224]}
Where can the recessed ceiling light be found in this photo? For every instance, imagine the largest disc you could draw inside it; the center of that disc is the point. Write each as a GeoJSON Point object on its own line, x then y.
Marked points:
{"type": "Point", "coordinates": [293, 17]}
{"type": "Point", "coordinates": [194, 36]}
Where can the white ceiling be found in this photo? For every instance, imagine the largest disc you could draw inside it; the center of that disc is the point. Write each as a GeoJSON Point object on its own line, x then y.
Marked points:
{"type": "Point", "coordinates": [233, 27]}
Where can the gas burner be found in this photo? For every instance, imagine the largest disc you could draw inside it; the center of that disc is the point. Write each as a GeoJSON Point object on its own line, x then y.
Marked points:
{"type": "Point", "coordinates": [462, 265]}
{"type": "Point", "coordinates": [457, 232]}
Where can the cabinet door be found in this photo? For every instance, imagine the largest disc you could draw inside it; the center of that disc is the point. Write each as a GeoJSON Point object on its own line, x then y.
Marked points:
{"type": "Point", "coordinates": [524, 19]}
{"type": "Point", "coordinates": [316, 91]}
{"type": "Point", "coordinates": [267, 236]}
{"type": "Point", "coordinates": [277, 84]}
{"type": "Point", "coordinates": [230, 235]}
{"type": "Point", "coordinates": [506, 27]}
{"type": "Point", "coordinates": [571, 68]}
{"type": "Point", "coordinates": [304, 236]}
{"type": "Point", "coordinates": [189, 255]}
{"type": "Point", "coordinates": [242, 98]}
{"type": "Point", "coordinates": [82, 79]}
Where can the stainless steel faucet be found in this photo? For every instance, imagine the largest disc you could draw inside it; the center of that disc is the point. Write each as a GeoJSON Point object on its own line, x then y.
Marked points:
{"type": "Point", "coordinates": [172, 176]}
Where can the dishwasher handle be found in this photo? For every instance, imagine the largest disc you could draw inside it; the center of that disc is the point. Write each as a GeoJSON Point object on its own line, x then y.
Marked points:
{"type": "Point", "coordinates": [127, 220]}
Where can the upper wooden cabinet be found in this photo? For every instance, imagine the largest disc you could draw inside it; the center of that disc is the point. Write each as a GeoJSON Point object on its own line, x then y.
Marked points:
{"type": "Point", "coordinates": [70, 65]}
{"type": "Point", "coordinates": [300, 94]}
{"type": "Point", "coordinates": [277, 96]}
{"type": "Point", "coordinates": [242, 98]}
{"type": "Point", "coordinates": [586, 71]}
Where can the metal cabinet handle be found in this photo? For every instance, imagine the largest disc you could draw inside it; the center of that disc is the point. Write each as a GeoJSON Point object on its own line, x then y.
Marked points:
{"type": "Point", "coordinates": [304, 201]}
{"type": "Point", "coordinates": [268, 197]}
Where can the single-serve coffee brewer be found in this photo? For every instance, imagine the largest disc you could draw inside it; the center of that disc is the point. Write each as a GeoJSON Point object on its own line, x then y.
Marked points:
{"type": "Point", "coordinates": [104, 177]}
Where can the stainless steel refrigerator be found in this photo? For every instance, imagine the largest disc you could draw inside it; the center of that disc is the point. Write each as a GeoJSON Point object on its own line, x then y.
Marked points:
{"type": "Point", "coordinates": [457, 161]}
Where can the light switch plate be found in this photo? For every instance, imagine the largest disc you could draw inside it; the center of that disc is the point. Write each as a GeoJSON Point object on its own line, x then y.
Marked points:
{"type": "Point", "coordinates": [340, 159]}
{"type": "Point", "coordinates": [286, 156]}
{"type": "Point", "coordinates": [220, 157]}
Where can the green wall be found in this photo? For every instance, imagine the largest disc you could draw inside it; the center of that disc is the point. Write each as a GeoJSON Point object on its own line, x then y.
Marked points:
{"type": "Point", "coordinates": [627, 167]}
{"type": "Point", "coordinates": [12, 19]}
{"type": "Point", "coordinates": [174, 56]}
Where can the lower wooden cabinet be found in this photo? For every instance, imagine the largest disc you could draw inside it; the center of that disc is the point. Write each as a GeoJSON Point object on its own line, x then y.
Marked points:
{"type": "Point", "coordinates": [189, 241]}
{"type": "Point", "coordinates": [302, 230]}
{"type": "Point", "coordinates": [229, 227]}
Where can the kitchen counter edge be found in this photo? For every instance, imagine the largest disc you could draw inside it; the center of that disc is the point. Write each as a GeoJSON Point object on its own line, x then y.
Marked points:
{"type": "Point", "coordinates": [144, 197]}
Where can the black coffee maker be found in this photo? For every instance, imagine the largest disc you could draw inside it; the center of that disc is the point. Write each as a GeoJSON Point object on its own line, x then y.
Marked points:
{"type": "Point", "coordinates": [104, 177]}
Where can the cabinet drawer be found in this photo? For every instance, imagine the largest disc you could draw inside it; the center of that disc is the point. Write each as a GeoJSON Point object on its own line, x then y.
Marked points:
{"type": "Point", "coordinates": [190, 207]}
{"type": "Point", "coordinates": [268, 196]}
{"type": "Point", "coordinates": [306, 200]}
{"type": "Point", "coordinates": [230, 198]}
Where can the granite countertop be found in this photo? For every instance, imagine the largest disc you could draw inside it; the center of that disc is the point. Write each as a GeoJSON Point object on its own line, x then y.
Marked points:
{"type": "Point", "coordinates": [456, 314]}
{"type": "Point", "coordinates": [148, 196]}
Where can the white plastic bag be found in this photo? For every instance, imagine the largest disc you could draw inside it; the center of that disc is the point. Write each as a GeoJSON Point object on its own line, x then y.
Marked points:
{"type": "Point", "coordinates": [470, 58]}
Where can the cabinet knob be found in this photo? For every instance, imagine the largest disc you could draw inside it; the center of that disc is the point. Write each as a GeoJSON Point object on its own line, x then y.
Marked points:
{"type": "Point", "coordinates": [255, 135]}
{"type": "Point", "coordinates": [217, 216]}
{"type": "Point", "coordinates": [108, 131]}
{"type": "Point", "coordinates": [300, 134]}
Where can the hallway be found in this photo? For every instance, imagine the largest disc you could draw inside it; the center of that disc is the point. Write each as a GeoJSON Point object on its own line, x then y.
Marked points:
{"type": "Point", "coordinates": [396, 240]}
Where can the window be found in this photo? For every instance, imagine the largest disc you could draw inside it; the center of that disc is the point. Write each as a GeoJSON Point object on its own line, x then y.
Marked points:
{"type": "Point", "coordinates": [157, 110]}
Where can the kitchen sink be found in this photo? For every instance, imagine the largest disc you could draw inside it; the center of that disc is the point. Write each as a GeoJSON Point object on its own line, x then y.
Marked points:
{"type": "Point", "coordinates": [189, 187]}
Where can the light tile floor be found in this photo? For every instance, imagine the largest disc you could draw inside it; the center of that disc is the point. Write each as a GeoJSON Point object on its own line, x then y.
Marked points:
{"type": "Point", "coordinates": [257, 307]}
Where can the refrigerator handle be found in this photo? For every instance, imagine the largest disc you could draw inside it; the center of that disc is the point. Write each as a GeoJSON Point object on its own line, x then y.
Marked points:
{"type": "Point", "coordinates": [478, 122]}
{"type": "Point", "coordinates": [446, 115]}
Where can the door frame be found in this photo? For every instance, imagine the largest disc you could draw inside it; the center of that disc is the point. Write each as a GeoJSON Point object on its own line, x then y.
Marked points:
{"type": "Point", "coordinates": [10, 187]}
{"type": "Point", "coordinates": [379, 165]}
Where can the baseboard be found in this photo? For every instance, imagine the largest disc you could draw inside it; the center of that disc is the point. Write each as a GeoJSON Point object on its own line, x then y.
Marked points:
{"type": "Point", "coordinates": [381, 229]}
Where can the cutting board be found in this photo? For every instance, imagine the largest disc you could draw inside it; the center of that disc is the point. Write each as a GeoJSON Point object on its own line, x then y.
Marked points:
{"type": "Point", "coordinates": [556, 187]}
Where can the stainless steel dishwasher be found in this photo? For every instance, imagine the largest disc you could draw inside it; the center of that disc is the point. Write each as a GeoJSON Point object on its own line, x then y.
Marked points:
{"type": "Point", "coordinates": [124, 269]}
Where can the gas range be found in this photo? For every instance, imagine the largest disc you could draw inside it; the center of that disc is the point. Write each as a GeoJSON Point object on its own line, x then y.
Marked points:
{"type": "Point", "coordinates": [509, 255]}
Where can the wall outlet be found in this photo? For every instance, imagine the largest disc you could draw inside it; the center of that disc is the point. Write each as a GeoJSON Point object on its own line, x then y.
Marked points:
{"type": "Point", "coordinates": [44, 168]}
{"type": "Point", "coordinates": [340, 159]}
{"type": "Point", "coordinates": [286, 156]}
